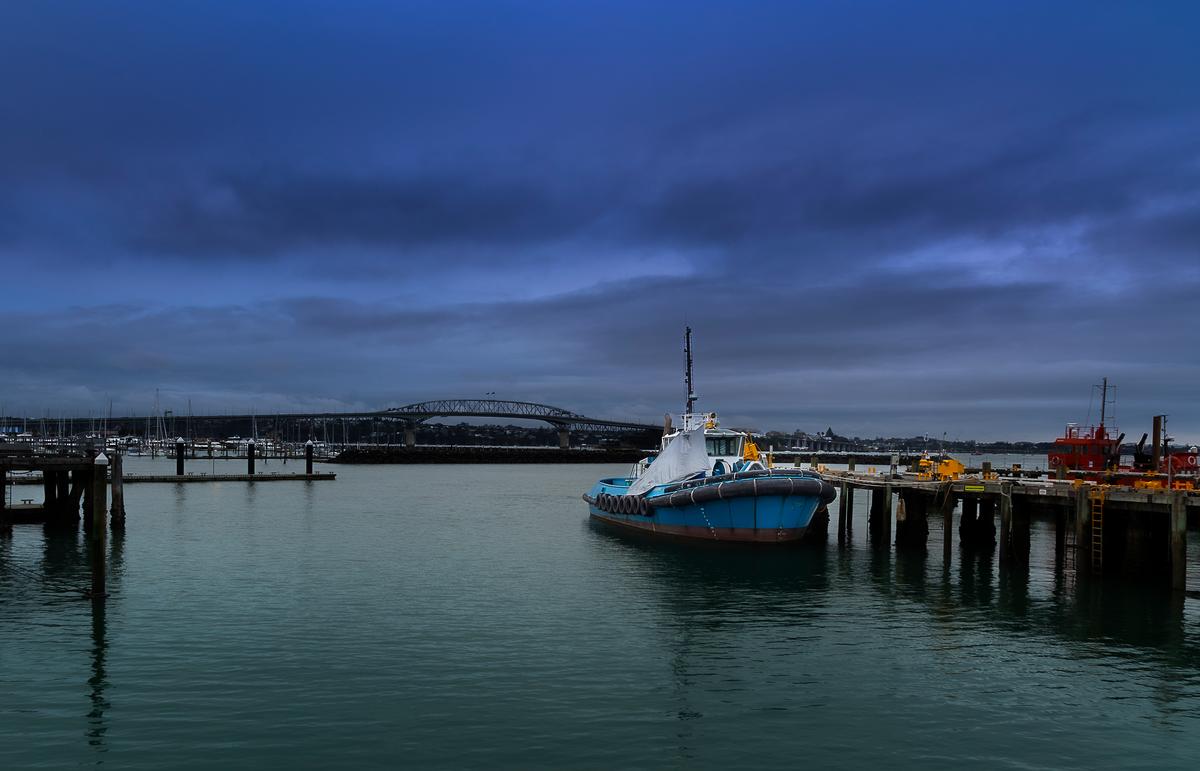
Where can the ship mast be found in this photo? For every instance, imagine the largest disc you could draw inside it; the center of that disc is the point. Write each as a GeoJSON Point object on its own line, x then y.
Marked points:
{"type": "Point", "coordinates": [1103, 399]}
{"type": "Point", "coordinates": [687, 350]}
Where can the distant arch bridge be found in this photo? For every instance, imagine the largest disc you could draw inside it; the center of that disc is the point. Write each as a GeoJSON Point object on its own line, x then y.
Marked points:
{"type": "Point", "coordinates": [412, 415]}
{"type": "Point", "coordinates": [564, 420]}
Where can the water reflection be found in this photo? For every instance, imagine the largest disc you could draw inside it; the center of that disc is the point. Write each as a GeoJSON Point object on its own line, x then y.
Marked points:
{"type": "Point", "coordinates": [705, 589]}
{"type": "Point", "coordinates": [708, 594]}
{"type": "Point", "coordinates": [66, 571]}
{"type": "Point", "coordinates": [98, 682]}
{"type": "Point", "coordinates": [699, 582]}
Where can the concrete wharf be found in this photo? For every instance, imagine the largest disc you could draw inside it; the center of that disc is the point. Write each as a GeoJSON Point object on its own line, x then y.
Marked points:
{"type": "Point", "coordinates": [1102, 530]}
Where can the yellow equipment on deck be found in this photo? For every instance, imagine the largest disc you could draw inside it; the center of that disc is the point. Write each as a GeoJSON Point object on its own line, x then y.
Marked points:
{"type": "Point", "coordinates": [944, 470]}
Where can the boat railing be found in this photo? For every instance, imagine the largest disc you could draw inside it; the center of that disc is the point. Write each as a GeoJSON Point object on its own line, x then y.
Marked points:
{"type": "Point", "coordinates": [710, 480]}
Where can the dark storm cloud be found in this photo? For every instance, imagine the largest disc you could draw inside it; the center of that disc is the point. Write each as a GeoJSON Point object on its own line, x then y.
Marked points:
{"type": "Point", "coordinates": [275, 211]}
{"type": "Point", "coordinates": [883, 216]}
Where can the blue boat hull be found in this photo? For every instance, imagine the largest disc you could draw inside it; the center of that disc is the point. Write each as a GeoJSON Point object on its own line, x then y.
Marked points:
{"type": "Point", "coordinates": [764, 518]}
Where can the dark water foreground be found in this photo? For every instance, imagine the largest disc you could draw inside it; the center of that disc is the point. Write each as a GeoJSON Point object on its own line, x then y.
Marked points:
{"type": "Point", "coordinates": [471, 617]}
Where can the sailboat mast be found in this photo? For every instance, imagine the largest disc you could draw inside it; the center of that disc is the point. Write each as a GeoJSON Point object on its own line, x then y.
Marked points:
{"type": "Point", "coordinates": [687, 350]}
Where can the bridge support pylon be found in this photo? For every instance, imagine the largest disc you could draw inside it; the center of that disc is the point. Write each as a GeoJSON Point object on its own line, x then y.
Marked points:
{"type": "Point", "coordinates": [564, 439]}
{"type": "Point", "coordinates": [410, 436]}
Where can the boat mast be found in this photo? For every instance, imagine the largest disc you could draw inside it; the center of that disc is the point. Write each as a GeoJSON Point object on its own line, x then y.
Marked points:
{"type": "Point", "coordinates": [1103, 399]}
{"type": "Point", "coordinates": [687, 350]}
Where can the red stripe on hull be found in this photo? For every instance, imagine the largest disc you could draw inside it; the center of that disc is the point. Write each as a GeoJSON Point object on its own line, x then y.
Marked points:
{"type": "Point", "coordinates": [718, 534]}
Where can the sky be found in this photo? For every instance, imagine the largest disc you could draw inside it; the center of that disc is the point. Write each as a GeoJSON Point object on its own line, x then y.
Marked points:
{"type": "Point", "coordinates": [891, 218]}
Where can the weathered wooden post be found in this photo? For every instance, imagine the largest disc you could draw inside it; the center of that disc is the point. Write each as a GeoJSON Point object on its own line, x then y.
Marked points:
{"type": "Point", "coordinates": [117, 508]}
{"type": "Point", "coordinates": [948, 506]}
{"type": "Point", "coordinates": [250, 457]}
{"type": "Point", "coordinates": [849, 513]}
{"type": "Point", "coordinates": [62, 494]}
{"type": "Point", "coordinates": [850, 464]}
{"type": "Point", "coordinates": [1021, 524]}
{"type": "Point", "coordinates": [887, 514]}
{"type": "Point", "coordinates": [308, 457]}
{"type": "Point", "coordinates": [1006, 529]}
{"type": "Point", "coordinates": [1083, 531]}
{"type": "Point", "coordinates": [968, 521]}
{"type": "Point", "coordinates": [98, 516]}
{"type": "Point", "coordinates": [1178, 541]}
{"type": "Point", "coordinates": [179, 457]}
{"type": "Point", "coordinates": [912, 520]}
{"type": "Point", "coordinates": [879, 524]}
{"type": "Point", "coordinates": [987, 469]}
{"type": "Point", "coordinates": [1060, 535]}
{"type": "Point", "coordinates": [87, 493]}
{"type": "Point", "coordinates": [49, 490]}
{"type": "Point", "coordinates": [843, 512]}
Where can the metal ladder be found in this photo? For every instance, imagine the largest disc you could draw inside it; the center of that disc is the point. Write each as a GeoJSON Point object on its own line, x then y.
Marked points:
{"type": "Point", "coordinates": [1096, 497]}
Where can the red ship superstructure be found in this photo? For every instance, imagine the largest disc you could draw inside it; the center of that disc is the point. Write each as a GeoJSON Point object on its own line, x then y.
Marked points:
{"type": "Point", "coordinates": [1092, 453]}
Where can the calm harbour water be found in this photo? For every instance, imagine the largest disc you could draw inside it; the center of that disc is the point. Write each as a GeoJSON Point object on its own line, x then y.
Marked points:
{"type": "Point", "coordinates": [470, 616]}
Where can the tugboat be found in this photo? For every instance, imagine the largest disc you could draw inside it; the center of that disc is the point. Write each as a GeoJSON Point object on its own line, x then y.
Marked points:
{"type": "Point", "coordinates": [1093, 454]}
{"type": "Point", "coordinates": [708, 483]}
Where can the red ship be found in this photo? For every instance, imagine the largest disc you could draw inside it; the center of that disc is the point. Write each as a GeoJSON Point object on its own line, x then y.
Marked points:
{"type": "Point", "coordinates": [1092, 453]}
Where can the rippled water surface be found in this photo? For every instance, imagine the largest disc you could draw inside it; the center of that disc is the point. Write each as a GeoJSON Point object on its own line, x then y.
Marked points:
{"type": "Point", "coordinates": [470, 616]}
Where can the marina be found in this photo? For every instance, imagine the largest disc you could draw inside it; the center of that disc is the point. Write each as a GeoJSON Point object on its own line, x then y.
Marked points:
{"type": "Point", "coordinates": [227, 601]}
{"type": "Point", "coordinates": [599, 385]}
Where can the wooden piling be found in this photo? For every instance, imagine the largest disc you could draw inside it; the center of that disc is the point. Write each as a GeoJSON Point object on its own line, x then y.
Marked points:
{"type": "Point", "coordinates": [967, 521]}
{"type": "Point", "coordinates": [1060, 535]}
{"type": "Point", "coordinates": [1020, 523]}
{"type": "Point", "coordinates": [49, 491]}
{"type": "Point", "coordinates": [250, 457]}
{"type": "Point", "coordinates": [843, 511]}
{"type": "Point", "coordinates": [912, 520]}
{"type": "Point", "coordinates": [118, 493]}
{"type": "Point", "coordinates": [1083, 531]}
{"type": "Point", "coordinates": [1178, 542]}
{"type": "Point", "coordinates": [98, 515]}
{"type": "Point", "coordinates": [985, 525]}
{"type": "Point", "coordinates": [308, 457]}
{"type": "Point", "coordinates": [887, 514]}
{"type": "Point", "coordinates": [948, 505]}
{"type": "Point", "coordinates": [179, 457]}
{"type": "Point", "coordinates": [879, 523]}
{"type": "Point", "coordinates": [1006, 529]}
{"type": "Point", "coordinates": [87, 492]}
{"type": "Point", "coordinates": [62, 494]}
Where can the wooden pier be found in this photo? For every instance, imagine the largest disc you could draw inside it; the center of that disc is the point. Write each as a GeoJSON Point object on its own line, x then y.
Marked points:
{"type": "Point", "coordinates": [84, 480]}
{"type": "Point", "coordinates": [1118, 531]}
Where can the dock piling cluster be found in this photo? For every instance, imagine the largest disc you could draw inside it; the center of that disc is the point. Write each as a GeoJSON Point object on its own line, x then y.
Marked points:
{"type": "Point", "coordinates": [1112, 531]}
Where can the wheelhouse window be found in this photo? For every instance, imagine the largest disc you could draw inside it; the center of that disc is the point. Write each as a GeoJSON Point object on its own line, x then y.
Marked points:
{"type": "Point", "coordinates": [723, 445]}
